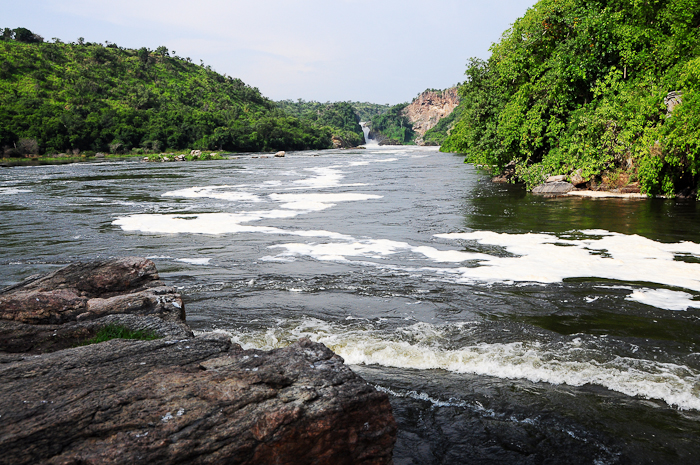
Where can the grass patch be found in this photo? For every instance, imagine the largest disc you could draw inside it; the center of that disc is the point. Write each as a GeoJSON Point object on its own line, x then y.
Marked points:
{"type": "Point", "coordinates": [113, 331]}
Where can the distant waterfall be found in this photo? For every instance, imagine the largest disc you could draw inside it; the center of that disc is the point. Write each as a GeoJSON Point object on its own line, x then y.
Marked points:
{"type": "Point", "coordinates": [366, 130]}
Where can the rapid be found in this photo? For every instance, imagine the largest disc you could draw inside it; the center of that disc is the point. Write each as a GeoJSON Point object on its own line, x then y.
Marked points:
{"type": "Point", "coordinates": [506, 327]}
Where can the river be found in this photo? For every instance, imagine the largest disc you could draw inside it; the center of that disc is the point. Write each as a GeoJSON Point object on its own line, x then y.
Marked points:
{"type": "Point", "coordinates": [506, 327]}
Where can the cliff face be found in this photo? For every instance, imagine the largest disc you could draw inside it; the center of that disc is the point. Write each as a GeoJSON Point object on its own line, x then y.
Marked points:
{"type": "Point", "coordinates": [429, 108]}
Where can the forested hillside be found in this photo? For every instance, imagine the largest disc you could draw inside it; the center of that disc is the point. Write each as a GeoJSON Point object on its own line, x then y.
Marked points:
{"type": "Point", "coordinates": [340, 116]}
{"type": "Point", "coordinates": [610, 88]}
{"type": "Point", "coordinates": [394, 125]}
{"type": "Point", "coordinates": [58, 97]}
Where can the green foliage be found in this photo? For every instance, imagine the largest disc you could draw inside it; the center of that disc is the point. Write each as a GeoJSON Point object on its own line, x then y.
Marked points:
{"type": "Point", "coordinates": [87, 96]}
{"type": "Point", "coordinates": [394, 125]}
{"type": "Point", "coordinates": [113, 331]}
{"type": "Point", "coordinates": [339, 118]}
{"type": "Point", "coordinates": [579, 84]}
{"type": "Point", "coordinates": [366, 110]}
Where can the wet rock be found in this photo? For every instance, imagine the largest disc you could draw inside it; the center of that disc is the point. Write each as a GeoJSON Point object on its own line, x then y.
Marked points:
{"type": "Point", "coordinates": [178, 399]}
{"type": "Point", "coordinates": [553, 188]}
{"type": "Point", "coordinates": [390, 142]}
{"type": "Point", "coordinates": [89, 290]}
{"type": "Point", "coordinates": [198, 400]}
{"type": "Point", "coordinates": [559, 178]}
{"type": "Point", "coordinates": [632, 188]}
{"type": "Point", "coordinates": [16, 337]}
{"type": "Point", "coordinates": [280, 154]}
{"type": "Point", "coordinates": [508, 174]}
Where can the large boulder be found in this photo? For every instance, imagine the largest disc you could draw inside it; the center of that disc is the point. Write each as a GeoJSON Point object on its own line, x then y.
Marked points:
{"type": "Point", "coordinates": [177, 399]}
{"type": "Point", "coordinates": [194, 401]}
{"type": "Point", "coordinates": [89, 290]}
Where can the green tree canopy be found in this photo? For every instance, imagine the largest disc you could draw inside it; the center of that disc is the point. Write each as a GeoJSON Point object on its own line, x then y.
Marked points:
{"type": "Point", "coordinates": [581, 84]}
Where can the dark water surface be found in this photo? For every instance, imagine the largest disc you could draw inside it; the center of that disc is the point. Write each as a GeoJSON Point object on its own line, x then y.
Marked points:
{"type": "Point", "coordinates": [506, 327]}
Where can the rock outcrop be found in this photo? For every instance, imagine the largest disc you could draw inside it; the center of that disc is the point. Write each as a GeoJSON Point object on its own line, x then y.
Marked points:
{"type": "Point", "coordinates": [178, 399]}
{"type": "Point", "coordinates": [429, 108]}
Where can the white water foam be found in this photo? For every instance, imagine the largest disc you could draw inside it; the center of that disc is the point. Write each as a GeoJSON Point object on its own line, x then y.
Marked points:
{"type": "Point", "coordinates": [326, 177]}
{"type": "Point", "coordinates": [546, 258]}
{"type": "Point", "coordinates": [13, 191]}
{"type": "Point", "coordinates": [216, 224]}
{"type": "Point", "coordinates": [318, 202]}
{"type": "Point", "coordinates": [214, 192]}
{"type": "Point", "coordinates": [419, 347]}
{"type": "Point", "coordinates": [664, 298]}
{"type": "Point", "coordinates": [194, 261]}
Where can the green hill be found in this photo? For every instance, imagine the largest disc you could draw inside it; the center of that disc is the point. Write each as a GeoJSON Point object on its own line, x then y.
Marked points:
{"type": "Point", "coordinates": [584, 85]}
{"type": "Point", "coordinates": [340, 117]}
{"type": "Point", "coordinates": [58, 97]}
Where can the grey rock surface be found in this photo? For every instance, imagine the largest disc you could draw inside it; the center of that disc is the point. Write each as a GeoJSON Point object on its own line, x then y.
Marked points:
{"type": "Point", "coordinates": [553, 188]}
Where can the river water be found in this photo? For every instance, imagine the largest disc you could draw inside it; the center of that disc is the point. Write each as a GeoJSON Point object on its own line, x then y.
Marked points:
{"type": "Point", "coordinates": [506, 327]}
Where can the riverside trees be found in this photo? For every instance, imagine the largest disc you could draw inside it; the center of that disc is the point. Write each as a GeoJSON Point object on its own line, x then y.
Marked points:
{"type": "Point", "coordinates": [586, 85]}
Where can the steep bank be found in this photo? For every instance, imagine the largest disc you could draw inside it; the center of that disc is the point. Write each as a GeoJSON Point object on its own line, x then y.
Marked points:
{"type": "Point", "coordinates": [176, 399]}
{"type": "Point", "coordinates": [431, 106]}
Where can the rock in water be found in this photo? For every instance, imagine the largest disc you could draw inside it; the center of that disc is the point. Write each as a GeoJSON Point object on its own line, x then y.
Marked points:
{"type": "Point", "coordinates": [89, 290]}
{"type": "Point", "coordinates": [179, 399]}
{"type": "Point", "coordinates": [553, 188]}
{"type": "Point", "coordinates": [280, 154]}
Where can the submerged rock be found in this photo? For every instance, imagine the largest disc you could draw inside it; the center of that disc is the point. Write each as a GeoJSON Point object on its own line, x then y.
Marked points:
{"type": "Point", "coordinates": [178, 399]}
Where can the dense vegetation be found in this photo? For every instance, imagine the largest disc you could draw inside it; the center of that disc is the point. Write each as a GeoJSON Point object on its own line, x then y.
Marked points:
{"type": "Point", "coordinates": [393, 125]}
{"type": "Point", "coordinates": [366, 110]}
{"type": "Point", "coordinates": [580, 85]}
{"type": "Point", "coordinates": [340, 118]}
{"type": "Point", "coordinates": [58, 97]}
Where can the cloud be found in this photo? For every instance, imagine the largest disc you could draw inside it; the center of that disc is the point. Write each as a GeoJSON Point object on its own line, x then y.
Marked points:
{"type": "Point", "coordinates": [382, 51]}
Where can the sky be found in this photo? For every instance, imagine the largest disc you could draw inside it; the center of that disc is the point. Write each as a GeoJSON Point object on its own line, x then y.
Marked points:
{"type": "Point", "coordinates": [380, 51]}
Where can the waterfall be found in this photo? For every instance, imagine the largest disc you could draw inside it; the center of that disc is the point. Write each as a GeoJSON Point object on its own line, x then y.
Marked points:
{"type": "Point", "coordinates": [366, 129]}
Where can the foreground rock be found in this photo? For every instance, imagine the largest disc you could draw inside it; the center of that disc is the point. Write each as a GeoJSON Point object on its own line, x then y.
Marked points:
{"type": "Point", "coordinates": [192, 401]}
{"type": "Point", "coordinates": [178, 399]}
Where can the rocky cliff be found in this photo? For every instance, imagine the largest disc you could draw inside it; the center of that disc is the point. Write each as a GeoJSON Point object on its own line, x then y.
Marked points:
{"type": "Point", "coordinates": [429, 108]}
{"type": "Point", "coordinates": [176, 399]}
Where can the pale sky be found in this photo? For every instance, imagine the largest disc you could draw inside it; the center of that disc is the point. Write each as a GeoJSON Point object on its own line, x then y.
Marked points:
{"type": "Point", "coordinates": [382, 51]}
